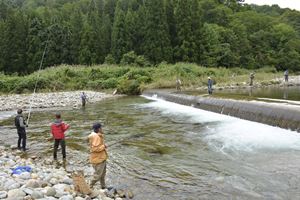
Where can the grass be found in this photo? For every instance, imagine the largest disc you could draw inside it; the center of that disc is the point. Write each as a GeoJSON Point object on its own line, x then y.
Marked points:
{"type": "Point", "coordinates": [130, 80]}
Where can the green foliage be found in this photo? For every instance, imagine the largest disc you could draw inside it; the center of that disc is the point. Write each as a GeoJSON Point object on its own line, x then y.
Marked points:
{"type": "Point", "coordinates": [210, 33]}
{"type": "Point", "coordinates": [130, 87]}
{"type": "Point", "coordinates": [109, 59]}
{"type": "Point", "coordinates": [131, 58]}
{"type": "Point", "coordinates": [128, 80]}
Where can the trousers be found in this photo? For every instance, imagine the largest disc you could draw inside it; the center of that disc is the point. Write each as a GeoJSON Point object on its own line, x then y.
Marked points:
{"type": "Point", "coordinates": [62, 143]}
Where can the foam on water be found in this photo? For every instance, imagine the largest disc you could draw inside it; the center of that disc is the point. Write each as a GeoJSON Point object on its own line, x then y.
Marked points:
{"type": "Point", "coordinates": [231, 133]}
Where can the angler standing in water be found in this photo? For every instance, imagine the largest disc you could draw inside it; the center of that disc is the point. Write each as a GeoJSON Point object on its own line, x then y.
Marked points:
{"type": "Point", "coordinates": [21, 129]}
{"type": "Point", "coordinates": [58, 129]}
{"type": "Point", "coordinates": [98, 155]}
{"type": "Point", "coordinates": [286, 75]}
{"type": "Point", "coordinates": [178, 84]}
{"type": "Point", "coordinates": [83, 98]}
{"type": "Point", "coordinates": [209, 85]}
{"type": "Point", "coordinates": [251, 79]}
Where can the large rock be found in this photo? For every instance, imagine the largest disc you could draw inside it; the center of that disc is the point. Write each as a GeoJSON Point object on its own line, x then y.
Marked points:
{"type": "Point", "coordinates": [3, 194]}
{"type": "Point", "coordinates": [15, 194]}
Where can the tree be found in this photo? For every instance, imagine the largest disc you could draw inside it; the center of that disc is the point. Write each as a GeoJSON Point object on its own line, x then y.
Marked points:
{"type": "Point", "coordinates": [118, 38]}
{"type": "Point", "coordinates": [157, 46]}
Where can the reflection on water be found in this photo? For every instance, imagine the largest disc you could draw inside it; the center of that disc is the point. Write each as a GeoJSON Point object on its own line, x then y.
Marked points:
{"type": "Point", "coordinates": [288, 93]}
{"type": "Point", "coordinates": [170, 151]}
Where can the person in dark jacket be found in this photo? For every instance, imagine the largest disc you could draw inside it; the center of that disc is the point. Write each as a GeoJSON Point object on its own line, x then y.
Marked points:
{"type": "Point", "coordinates": [58, 129]}
{"type": "Point", "coordinates": [21, 129]}
{"type": "Point", "coordinates": [209, 85]}
{"type": "Point", "coordinates": [83, 99]}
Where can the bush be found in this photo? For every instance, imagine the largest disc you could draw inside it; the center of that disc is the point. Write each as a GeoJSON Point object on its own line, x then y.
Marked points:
{"type": "Point", "coordinates": [109, 59]}
{"type": "Point", "coordinates": [131, 58]}
{"type": "Point", "coordinates": [109, 83]}
{"type": "Point", "coordinates": [130, 87]}
{"type": "Point", "coordinates": [128, 58]}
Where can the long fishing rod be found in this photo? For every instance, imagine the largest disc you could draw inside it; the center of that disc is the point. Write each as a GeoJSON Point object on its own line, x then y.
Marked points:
{"type": "Point", "coordinates": [36, 82]}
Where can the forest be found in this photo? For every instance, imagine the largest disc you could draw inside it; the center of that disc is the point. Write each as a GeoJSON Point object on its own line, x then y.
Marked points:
{"type": "Point", "coordinates": [141, 33]}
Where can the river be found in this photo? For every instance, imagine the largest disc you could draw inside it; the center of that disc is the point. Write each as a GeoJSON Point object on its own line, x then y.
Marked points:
{"type": "Point", "coordinates": [170, 151]}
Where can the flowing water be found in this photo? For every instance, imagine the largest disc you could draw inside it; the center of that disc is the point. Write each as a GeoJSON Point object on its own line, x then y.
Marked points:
{"type": "Point", "coordinates": [170, 151]}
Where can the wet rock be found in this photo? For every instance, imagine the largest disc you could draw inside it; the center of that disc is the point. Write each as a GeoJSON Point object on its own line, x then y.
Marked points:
{"type": "Point", "coordinates": [3, 194]}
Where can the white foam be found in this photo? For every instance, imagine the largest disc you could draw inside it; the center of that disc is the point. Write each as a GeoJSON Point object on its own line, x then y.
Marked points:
{"type": "Point", "coordinates": [231, 133]}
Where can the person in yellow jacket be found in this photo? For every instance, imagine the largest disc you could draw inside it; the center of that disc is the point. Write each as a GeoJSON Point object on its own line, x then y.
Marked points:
{"type": "Point", "coordinates": [98, 155]}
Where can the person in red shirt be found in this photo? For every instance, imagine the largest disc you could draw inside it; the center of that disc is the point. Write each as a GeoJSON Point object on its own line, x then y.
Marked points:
{"type": "Point", "coordinates": [58, 129]}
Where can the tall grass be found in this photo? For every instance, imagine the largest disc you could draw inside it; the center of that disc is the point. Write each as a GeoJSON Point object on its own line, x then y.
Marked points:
{"type": "Point", "coordinates": [129, 80]}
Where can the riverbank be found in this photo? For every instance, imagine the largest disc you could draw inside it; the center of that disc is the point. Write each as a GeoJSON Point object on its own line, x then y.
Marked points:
{"type": "Point", "coordinates": [278, 81]}
{"type": "Point", "coordinates": [43, 181]}
{"type": "Point", "coordinates": [49, 100]}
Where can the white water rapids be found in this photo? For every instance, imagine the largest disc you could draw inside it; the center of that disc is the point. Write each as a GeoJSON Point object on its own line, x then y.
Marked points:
{"type": "Point", "coordinates": [230, 133]}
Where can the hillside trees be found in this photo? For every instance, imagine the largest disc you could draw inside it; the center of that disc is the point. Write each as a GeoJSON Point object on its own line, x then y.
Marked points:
{"type": "Point", "coordinates": [219, 33]}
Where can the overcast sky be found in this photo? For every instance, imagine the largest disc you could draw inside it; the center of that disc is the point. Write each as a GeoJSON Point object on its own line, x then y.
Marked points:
{"type": "Point", "coordinates": [294, 4]}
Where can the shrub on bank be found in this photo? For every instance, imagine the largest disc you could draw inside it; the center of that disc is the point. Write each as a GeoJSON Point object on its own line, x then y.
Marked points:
{"type": "Point", "coordinates": [128, 80]}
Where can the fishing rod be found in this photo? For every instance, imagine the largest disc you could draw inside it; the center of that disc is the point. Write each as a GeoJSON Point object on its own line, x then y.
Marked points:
{"type": "Point", "coordinates": [36, 82]}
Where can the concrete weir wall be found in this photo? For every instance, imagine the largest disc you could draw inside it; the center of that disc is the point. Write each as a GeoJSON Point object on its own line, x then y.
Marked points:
{"type": "Point", "coordinates": [284, 116]}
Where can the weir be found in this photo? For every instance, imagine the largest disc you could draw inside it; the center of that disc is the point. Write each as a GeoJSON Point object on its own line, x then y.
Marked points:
{"type": "Point", "coordinates": [274, 114]}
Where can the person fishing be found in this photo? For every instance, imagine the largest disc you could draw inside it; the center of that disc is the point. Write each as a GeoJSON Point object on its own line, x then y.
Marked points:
{"type": "Point", "coordinates": [98, 155]}
{"type": "Point", "coordinates": [83, 99]}
{"type": "Point", "coordinates": [21, 129]}
{"type": "Point", "coordinates": [286, 75]}
{"type": "Point", "coordinates": [58, 129]}
{"type": "Point", "coordinates": [178, 84]}
{"type": "Point", "coordinates": [209, 85]}
{"type": "Point", "coordinates": [252, 75]}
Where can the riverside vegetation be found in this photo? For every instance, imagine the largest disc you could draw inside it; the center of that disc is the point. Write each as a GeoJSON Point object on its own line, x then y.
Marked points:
{"type": "Point", "coordinates": [131, 80]}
